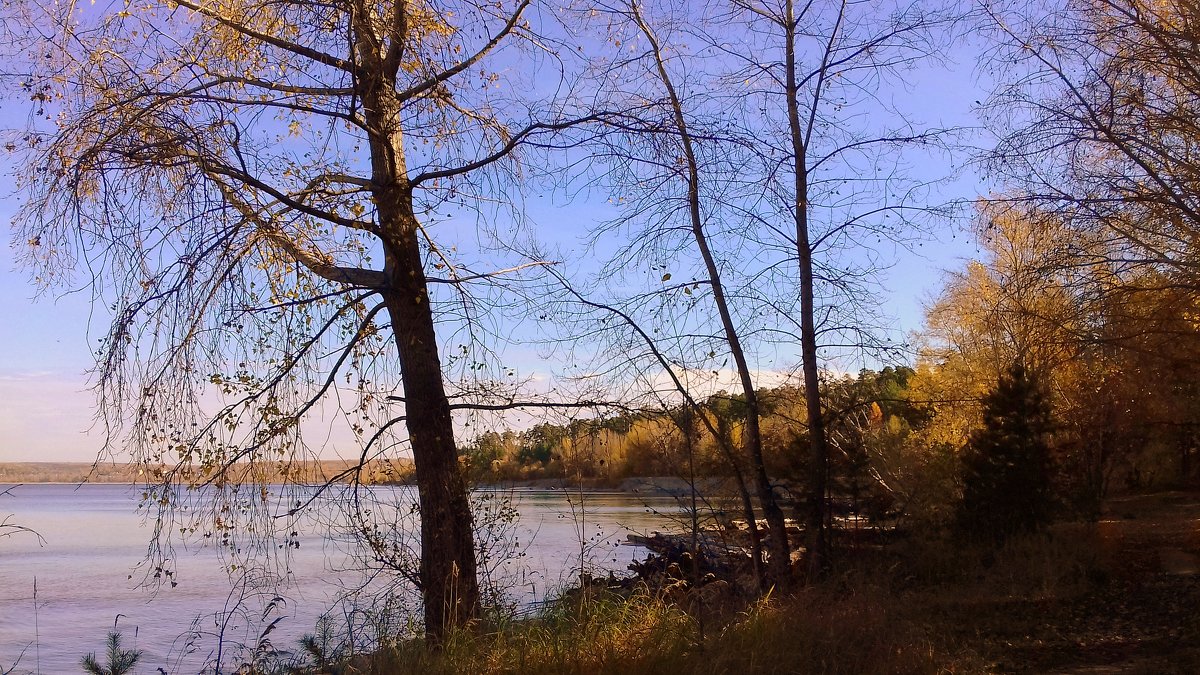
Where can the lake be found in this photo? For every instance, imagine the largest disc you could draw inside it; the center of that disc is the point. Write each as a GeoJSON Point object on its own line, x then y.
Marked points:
{"type": "Point", "coordinates": [86, 575]}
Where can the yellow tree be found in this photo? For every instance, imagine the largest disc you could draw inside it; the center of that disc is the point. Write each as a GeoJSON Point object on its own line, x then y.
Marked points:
{"type": "Point", "coordinates": [253, 186]}
{"type": "Point", "coordinates": [1096, 114]}
{"type": "Point", "coordinates": [1111, 344]}
{"type": "Point", "coordinates": [1150, 329]}
{"type": "Point", "coordinates": [1015, 305]}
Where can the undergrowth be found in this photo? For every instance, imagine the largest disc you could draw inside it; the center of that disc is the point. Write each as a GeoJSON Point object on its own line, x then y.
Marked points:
{"type": "Point", "coordinates": [921, 607]}
{"type": "Point", "coordinates": [819, 630]}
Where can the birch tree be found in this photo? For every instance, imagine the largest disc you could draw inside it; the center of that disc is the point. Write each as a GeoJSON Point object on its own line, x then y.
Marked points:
{"type": "Point", "coordinates": [255, 187]}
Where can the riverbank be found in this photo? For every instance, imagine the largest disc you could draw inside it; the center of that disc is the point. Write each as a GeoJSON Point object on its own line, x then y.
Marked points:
{"type": "Point", "coordinates": [1116, 596]}
{"type": "Point", "coordinates": [87, 541]}
{"type": "Point", "coordinates": [658, 486]}
{"type": "Point", "coordinates": [108, 473]}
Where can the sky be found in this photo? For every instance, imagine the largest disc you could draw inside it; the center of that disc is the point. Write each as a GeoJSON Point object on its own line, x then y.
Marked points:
{"type": "Point", "coordinates": [46, 410]}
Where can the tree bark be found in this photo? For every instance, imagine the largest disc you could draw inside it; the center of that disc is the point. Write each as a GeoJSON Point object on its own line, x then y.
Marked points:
{"type": "Point", "coordinates": [449, 587]}
{"type": "Point", "coordinates": [816, 536]}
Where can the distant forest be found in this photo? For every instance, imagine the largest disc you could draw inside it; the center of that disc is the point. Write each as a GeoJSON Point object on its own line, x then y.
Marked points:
{"type": "Point", "coordinates": [312, 472]}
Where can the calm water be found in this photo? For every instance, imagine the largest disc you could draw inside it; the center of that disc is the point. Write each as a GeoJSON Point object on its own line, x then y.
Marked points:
{"type": "Point", "coordinates": [94, 539]}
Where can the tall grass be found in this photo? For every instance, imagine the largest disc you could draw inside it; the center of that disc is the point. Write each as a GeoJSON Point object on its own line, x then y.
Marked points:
{"type": "Point", "coordinates": [819, 631]}
{"type": "Point", "coordinates": [917, 609]}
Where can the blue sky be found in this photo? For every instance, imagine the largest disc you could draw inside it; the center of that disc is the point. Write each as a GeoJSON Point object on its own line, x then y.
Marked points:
{"type": "Point", "coordinates": [46, 410]}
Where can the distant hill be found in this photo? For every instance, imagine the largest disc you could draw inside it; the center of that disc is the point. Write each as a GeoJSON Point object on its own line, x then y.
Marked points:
{"type": "Point", "coordinates": [83, 472]}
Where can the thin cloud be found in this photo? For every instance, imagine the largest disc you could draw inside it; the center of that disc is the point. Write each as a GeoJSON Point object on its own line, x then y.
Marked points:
{"type": "Point", "coordinates": [45, 416]}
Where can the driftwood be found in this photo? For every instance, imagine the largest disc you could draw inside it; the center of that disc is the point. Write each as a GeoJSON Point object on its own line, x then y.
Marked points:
{"type": "Point", "coordinates": [714, 553]}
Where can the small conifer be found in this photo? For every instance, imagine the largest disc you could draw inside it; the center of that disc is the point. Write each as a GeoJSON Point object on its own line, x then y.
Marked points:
{"type": "Point", "coordinates": [1006, 466]}
{"type": "Point", "coordinates": [120, 661]}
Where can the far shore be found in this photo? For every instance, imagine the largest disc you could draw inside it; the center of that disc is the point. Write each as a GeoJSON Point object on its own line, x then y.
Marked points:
{"type": "Point", "coordinates": [78, 473]}
{"type": "Point", "coordinates": [131, 474]}
{"type": "Point", "coordinates": [667, 486]}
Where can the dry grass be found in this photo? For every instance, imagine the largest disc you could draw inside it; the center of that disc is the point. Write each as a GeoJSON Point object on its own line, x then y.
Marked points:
{"type": "Point", "coordinates": [919, 613]}
{"type": "Point", "coordinates": [1076, 599]}
{"type": "Point", "coordinates": [816, 631]}
{"type": "Point", "coordinates": [1063, 562]}
{"type": "Point", "coordinates": [820, 630]}
{"type": "Point", "coordinates": [605, 635]}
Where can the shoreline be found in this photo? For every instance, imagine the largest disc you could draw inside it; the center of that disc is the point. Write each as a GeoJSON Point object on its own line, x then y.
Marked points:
{"type": "Point", "coordinates": [81, 473]}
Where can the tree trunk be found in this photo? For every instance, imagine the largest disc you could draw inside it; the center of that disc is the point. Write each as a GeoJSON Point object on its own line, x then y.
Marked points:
{"type": "Point", "coordinates": [725, 441]}
{"type": "Point", "coordinates": [449, 587]}
{"type": "Point", "coordinates": [778, 549]}
{"type": "Point", "coordinates": [816, 536]}
{"type": "Point", "coordinates": [1185, 453]}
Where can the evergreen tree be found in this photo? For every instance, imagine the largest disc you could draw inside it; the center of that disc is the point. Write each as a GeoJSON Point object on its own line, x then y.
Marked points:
{"type": "Point", "coordinates": [120, 661]}
{"type": "Point", "coordinates": [1006, 467]}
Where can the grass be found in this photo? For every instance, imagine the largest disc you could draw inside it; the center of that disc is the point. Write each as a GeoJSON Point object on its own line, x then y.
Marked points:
{"type": "Point", "coordinates": [820, 630]}
{"type": "Point", "coordinates": [894, 616]}
{"type": "Point", "coordinates": [1076, 598]}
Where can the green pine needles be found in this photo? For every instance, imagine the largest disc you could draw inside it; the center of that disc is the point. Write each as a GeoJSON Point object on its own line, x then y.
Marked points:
{"type": "Point", "coordinates": [120, 661]}
{"type": "Point", "coordinates": [1006, 466]}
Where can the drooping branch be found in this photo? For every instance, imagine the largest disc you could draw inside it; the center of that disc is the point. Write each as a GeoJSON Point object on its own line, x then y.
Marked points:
{"type": "Point", "coordinates": [316, 261]}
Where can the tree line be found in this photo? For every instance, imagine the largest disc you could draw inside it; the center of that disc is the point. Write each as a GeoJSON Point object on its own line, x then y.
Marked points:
{"type": "Point", "coordinates": [652, 443]}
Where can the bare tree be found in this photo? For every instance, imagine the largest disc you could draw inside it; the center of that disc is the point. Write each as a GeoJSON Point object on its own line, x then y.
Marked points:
{"type": "Point", "coordinates": [1095, 117]}
{"type": "Point", "coordinates": [772, 144]}
{"type": "Point", "coordinates": [832, 151]}
{"type": "Point", "coordinates": [662, 150]}
{"type": "Point", "coordinates": [254, 189]}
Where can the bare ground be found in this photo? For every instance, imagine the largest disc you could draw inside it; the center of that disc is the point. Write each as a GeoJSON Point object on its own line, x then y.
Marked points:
{"type": "Point", "coordinates": [1138, 612]}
